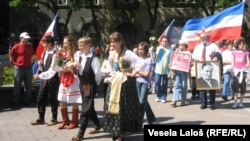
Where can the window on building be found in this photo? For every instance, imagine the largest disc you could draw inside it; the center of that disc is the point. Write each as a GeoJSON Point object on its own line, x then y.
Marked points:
{"type": "Point", "coordinates": [181, 1]}
{"type": "Point", "coordinates": [62, 2]}
{"type": "Point", "coordinates": [96, 2]}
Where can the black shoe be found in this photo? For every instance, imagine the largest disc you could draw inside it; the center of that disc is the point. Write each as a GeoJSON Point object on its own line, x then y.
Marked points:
{"type": "Point", "coordinates": [203, 107]}
{"type": "Point", "coordinates": [27, 104]}
{"type": "Point", "coordinates": [15, 107]}
{"type": "Point", "coordinates": [114, 138]}
{"type": "Point", "coordinates": [197, 97]}
{"type": "Point", "coordinates": [225, 98]}
{"type": "Point", "coordinates": [192, 97]}
{"type": "Point", "coordinates": [78, 137]}
{"type": "Point", "coordinates": [212, 107]}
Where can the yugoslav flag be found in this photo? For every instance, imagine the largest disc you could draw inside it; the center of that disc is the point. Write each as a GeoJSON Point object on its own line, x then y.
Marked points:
{"type": "Point", "coordinates": [225, 25]}
{"type": "Point", "coordinates": [167, 32]}
{"type": "Point", "coordinates": [50, 31]}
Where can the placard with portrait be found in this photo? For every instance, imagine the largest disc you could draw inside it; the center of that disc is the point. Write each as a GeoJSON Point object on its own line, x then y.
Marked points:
{"type": "Point", "coordinates": [180, 61]}
{"type": "Point", "coordinates": [208, 75]}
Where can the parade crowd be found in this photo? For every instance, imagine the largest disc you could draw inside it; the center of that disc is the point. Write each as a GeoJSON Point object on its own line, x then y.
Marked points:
{"type": "Point", "coordinates": [70, 75]}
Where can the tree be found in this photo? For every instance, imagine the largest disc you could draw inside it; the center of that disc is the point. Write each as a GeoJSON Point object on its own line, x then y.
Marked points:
{"type": "Point", "coordinates": [49, 4]}
{"type": "Point", "coordinates": [152, 15]}
{"type": "Point", "coordinates": [207, 6]}
{"type": "Point", "coordinates": [78, 4]}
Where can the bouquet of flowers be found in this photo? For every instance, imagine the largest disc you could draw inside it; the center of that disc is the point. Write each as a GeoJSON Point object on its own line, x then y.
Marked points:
{"type": "Point", "coordinates": [153, 41]}
{"type": "Point", "coordinates": [61, 58]}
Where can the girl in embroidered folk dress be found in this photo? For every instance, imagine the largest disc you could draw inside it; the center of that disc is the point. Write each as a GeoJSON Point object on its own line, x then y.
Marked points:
{"type": "Point", "coordinates": [104, 69]}
{"type": "Point", "coordinates": [122, 108]}
{"type": "Point", "coordinates": [240, 65]}
{"type": "Point", "coordinates": [69, 91]}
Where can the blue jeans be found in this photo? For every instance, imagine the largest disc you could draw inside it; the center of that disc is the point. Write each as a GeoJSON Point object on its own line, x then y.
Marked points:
{"type": "Point", "coordinates": [142, 90]}
{"type": "Point", "coordinates": [180, 83]}
{"type": "Point", "coordinates": [22, 74]}
{"type": "Point", "coordinates": [161, 85]}
{"type": "Point", "coordinates": [226, 82]}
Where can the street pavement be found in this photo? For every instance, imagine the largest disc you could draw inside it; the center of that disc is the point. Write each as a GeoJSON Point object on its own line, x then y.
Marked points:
{"type": "Point", "coordinates": [15, 124]}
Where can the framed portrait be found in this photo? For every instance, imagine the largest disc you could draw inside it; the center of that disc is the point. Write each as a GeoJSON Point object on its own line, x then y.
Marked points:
{"type": "Point", "coordinates": [208, 75]}
{"type": "Point", "coordinates": [180, 61]}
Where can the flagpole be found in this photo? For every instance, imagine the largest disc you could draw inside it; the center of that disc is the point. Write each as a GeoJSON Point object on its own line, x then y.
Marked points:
{"type": "Point", "coordinates": [167, 32]}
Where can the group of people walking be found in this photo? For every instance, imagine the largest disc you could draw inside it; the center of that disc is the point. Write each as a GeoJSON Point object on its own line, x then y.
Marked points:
{"type": "Point", "coordinates": [70, 76]}
{"type": "Point", "coordinates": [233, 67]}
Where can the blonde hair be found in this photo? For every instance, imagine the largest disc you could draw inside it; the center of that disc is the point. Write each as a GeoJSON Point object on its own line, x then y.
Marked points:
{"type": "Point", "coordinates": [85, 40]}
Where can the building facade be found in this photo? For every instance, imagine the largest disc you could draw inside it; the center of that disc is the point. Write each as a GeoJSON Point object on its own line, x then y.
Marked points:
{"type": "Point", "coordinates": [130, 17]}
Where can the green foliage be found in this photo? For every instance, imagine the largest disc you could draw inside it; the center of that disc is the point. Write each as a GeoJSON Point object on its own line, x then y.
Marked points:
{"type": "Point", "coordinates": [8, 78]}
{"type": "Point", "coordinates": [20, 3]}
{"type": "Point", "coordinates": [14, 3]}
{"type": "Point", "coordinates": [8, 75]}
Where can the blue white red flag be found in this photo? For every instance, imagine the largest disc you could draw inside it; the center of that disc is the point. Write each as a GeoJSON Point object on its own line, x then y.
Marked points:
{"type": "Point", "coordinates": [167, 32]}
{"type": "Point", "coordinates": [50, 31]}
{"type": "Point", "coordinates": [225, 25]}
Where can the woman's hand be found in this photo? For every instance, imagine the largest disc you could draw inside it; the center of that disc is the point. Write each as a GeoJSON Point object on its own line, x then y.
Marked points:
{"type": "Point", "coordinates": [36, 76]}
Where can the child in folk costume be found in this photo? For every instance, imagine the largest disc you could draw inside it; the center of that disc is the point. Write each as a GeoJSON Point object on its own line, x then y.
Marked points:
{"type": "Point", "coordinates": [122, 108]}
{"type": "Point", "coordinates": [90, 77]}
{"type": "Point", "coordinates": [48, 90]}
{"type": "Point", "coordinates": [69, 91]}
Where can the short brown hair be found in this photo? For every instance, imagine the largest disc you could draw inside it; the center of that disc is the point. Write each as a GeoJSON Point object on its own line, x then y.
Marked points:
{"type": "Point", "coordinates": [48, 39]}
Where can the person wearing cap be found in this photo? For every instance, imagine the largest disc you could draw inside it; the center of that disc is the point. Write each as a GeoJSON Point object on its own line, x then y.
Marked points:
{"type": "Point", "coordinates": [180, 77]}
{"type": "Point", "coordinates": [48, 89]}
{"type": "Point", "coordinates": [21, 57]}
{"type": "Point", "coordinates": [205, 51]}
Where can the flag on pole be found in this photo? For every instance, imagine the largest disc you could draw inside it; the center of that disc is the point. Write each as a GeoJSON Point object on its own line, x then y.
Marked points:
{"type": "Point", "coordinates": [225, 25]}
{"type": "Point", "coordinates": [50, 31]}
{"type": "Point", "coordinates": [167, 32]}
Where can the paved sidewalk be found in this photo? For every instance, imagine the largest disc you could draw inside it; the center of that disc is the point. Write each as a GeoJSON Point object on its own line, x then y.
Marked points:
{"type": "Point", "coordinates": [15, 125]}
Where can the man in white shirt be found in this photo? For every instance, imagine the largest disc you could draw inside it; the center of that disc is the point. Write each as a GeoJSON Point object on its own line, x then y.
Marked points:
{"type": "Point", "coordinates": [205, 51]}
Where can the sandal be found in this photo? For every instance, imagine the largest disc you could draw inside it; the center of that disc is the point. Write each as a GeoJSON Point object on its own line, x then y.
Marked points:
{"type": "Point", "coordinates": [38, 122]}
{"type": "Point", "coordinates": [96, 130]}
